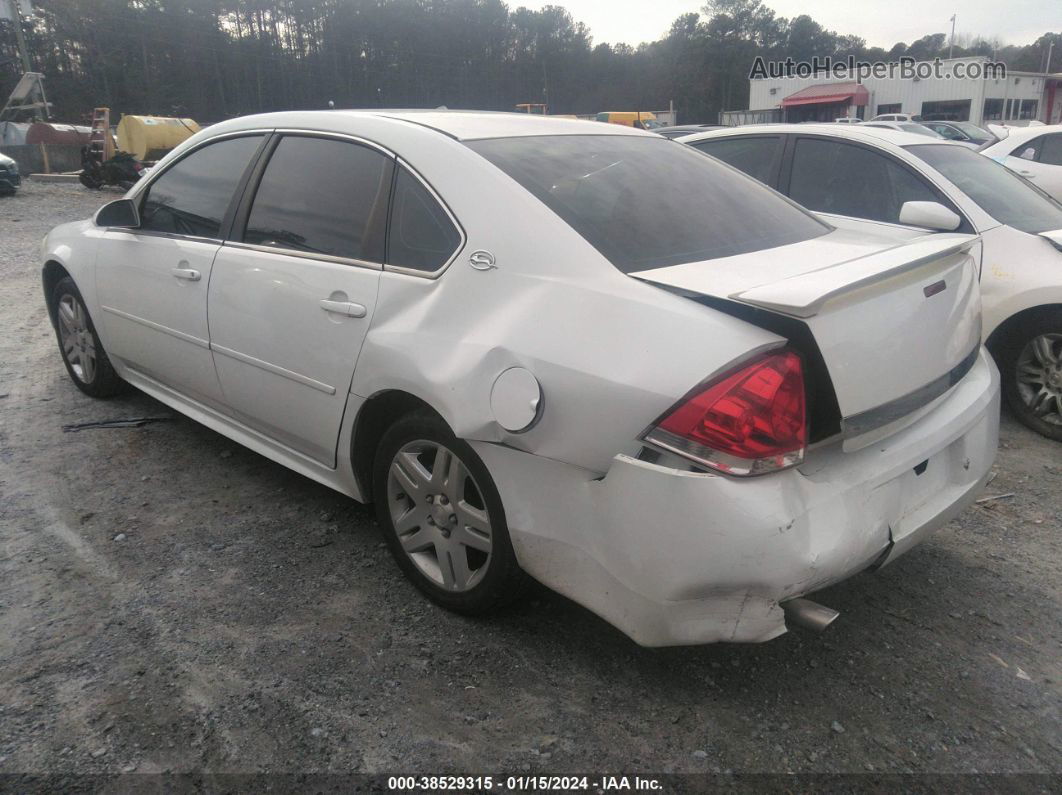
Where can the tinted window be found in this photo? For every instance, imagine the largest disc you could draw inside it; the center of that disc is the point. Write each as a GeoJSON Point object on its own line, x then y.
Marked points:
{"type": "Point", "coordinates": [999, 191]}
{"type": "Point", "coordinates": [834, 177]}
{"type": "Point", "coordinates": [1035, 145]}
{"type": "Point", "coordinates": [646, 202]}
{"type": "Point", "coordinates": [191, 197]}
{"type": "Point", "coordinates": [1051, 150]}
{"type": "Point", "coordinates": [754, 156]}
{"type": "Point", "coordinates": [421, 235]}
{"type": "Point", "coordinates": [322, 196]}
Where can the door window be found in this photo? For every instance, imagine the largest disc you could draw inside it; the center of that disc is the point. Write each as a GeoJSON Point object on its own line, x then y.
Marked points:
{"type": "Point", "coordinates": [1051, 150]}
{"type": "Point", "coordinates": [421, 235]}
{"type": "Point", "coordinates": [754, 156]}
{"type": "Point", "coordinates": [192, 196]}
{"type": "Point", "coordinates": [322, 196]}
{"type": "Point", "coordinates": [843, 179]}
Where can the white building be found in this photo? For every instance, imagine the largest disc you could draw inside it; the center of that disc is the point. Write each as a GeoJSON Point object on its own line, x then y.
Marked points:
{"type": "Point", "coordinates": [1020, 96]}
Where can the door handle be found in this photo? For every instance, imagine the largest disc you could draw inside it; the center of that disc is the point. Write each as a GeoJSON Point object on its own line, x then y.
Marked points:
{"type": "Point", "coordinates": [189, 274]}
{"type": "Point", "coordinates": [1027, 174]}
{"type": "Point", "coordinates": [348, 308]}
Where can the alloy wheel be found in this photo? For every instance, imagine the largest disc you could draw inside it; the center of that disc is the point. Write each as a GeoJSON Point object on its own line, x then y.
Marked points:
{"type": "Point", "coordinates": [439, 514]}
{"type": "Point", "coordinates": [79, 347]}
{"type": "Point", "coordinates": [1039, 374]}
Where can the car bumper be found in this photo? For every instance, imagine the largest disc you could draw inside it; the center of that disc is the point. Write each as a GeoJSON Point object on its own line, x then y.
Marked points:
{"type": "Point", "coordinates": [9, 182]}
{"type": "Point", "coordinates": [675, 557]}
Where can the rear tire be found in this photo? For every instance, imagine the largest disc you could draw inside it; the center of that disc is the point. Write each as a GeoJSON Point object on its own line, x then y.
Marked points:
{"type": "Point", "coordinates": [442, 517]}
{"type": "Point", "coordinates": [1030, 363]}
{"type": "Point", "coordinates": [86, 361]}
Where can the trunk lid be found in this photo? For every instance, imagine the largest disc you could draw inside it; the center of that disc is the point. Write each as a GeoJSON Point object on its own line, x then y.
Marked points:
{"type": "Point", "coordinates": [897, 322]}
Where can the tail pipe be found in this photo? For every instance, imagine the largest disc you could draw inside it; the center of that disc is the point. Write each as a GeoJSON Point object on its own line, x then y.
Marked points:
{"type": "Point", "coordinates": [808, 614]}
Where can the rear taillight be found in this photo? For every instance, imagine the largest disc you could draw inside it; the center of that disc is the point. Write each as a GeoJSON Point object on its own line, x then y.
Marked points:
{"type": "Point", "coordinates": [748, 422]}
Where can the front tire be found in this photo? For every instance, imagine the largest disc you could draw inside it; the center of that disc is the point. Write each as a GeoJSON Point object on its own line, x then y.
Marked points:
{"type": "Point", "coordinates": [1030, 360]}
{"type": "Point", "coordinates": [442, 517]}
{"type": "Point", "coordinates": [83, 354]}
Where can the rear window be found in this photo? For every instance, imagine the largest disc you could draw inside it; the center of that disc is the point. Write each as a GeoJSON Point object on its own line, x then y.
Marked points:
{"type": "Point", "coordinates": [1000, 192]}
{"type": "Point", "coordinates": [649, 202]}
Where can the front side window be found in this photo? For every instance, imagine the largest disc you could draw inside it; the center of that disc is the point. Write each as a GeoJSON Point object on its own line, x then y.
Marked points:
{"type": "Point", "coordinates": [322, 196]}
{"type": "Point", "coordinates": [606, 188]}
{"type": "Point", "coordinates": [754, 156]}
{"type": "Point", "coordinates": [421, 235]}
{"type": "Point", "coordinates": [843, 179]}
{"type": "Point", "coordinates": [996, 189]}
{"type": "Point", "coordinates": [192, 196]}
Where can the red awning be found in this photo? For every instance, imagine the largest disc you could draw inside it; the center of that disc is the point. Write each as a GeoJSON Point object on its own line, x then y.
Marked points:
{"type": "Point", "coordinates": [828, 94]}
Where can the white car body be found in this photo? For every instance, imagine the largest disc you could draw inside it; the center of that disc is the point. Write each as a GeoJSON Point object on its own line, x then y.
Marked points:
{"type": "Point", "coordinates": [1019, 271]}
{"type": "Point", "coordinates": [669, 552]}
{"type": "Point", "coordinates": [911, 127]}
{"type": "Point", "coordinates": [1034, 152]}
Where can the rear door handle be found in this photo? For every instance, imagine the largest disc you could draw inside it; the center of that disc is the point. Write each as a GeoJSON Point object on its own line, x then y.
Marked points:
{"type": "Point", "coordinates": [348, 308]}
{"type": "Point", "coordinates": [189, 274]}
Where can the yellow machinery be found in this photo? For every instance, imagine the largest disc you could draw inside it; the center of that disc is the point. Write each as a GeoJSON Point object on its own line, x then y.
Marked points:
{"type": "Point", "coordinates": [150, 137]}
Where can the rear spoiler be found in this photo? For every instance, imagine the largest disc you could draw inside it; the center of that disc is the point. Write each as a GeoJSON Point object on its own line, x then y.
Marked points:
{"type": "Point", "coordinates": [805, 294]}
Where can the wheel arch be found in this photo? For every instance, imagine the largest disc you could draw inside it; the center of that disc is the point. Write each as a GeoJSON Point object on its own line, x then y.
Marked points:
{"type": "Point", "coordinates": [999, 334]}
{"type": "Point", "coordinates": [52, 273]}
{"type": "Point", "coordinates": [376, 415]}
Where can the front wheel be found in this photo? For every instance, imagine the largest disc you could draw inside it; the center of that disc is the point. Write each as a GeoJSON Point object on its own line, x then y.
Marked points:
{"type": "Point", "coordinates": [1031, 364]}
{"type": "Point", "coordinates": [82, 351]}
{"type": "Point", "coordinates": [442, 517]}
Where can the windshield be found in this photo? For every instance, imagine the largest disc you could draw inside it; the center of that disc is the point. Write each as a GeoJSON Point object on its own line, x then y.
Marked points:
{"type": "Point", "coordinates": [919, 129]}
{"type": "Point", "coordinates": [974, 132]}
{"type": "Point", "coordinates": [996, 189]}
{"type": "Point", "coordinates": [647, 202]}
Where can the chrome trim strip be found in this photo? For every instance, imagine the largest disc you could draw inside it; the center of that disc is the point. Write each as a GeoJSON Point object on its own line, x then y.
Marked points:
{"type": "Point", "coordinates": [298, 378]}
{"type": "Point", "coordinates": [201, 343]}
{"type": "Point", "coordinates": [897, 409]}
{"type": "Point", "coordinates": [291, 252]}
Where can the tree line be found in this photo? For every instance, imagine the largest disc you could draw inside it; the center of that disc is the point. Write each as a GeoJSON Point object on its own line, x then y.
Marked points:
{"type": "Point", "coordinates": [211, 60]}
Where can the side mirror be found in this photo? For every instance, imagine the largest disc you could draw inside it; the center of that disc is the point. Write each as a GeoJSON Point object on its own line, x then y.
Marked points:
{"type": "Point", "coordinates": [121, 213]}
{"type": "Point", "coordinates": [929, 215]}
{"type": "Point", "coordinates": [1028, 154]}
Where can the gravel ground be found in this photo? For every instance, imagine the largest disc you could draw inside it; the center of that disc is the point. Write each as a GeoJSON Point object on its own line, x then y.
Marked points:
{"type": "Point", "coordinates": [170, 601]}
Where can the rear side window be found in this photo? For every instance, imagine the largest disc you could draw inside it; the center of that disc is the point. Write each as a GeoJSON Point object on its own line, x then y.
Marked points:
{"type": "Point", "coordinates": [754, 156]}
{"type": "Point", "coordinates": [421, 235]}
{"type": "Point", "coordinates": [839, 178]}
{"type": "Point", "coordinates": [191, 197]}
{"type": "Point", "coordinates": [647, 202]}
{"type": "Point", "coordinates": [1051, 150]}
{"type": "Point", "coordinates": [322, 196]}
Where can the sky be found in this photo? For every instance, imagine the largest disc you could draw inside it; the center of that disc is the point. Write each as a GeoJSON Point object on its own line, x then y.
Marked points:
{"type": "Point", "coordinates": [880, 22]}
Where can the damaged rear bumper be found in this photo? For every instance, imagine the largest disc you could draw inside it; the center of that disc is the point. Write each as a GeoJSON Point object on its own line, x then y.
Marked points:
{"type": "Point", "coordinates": [676, 557]}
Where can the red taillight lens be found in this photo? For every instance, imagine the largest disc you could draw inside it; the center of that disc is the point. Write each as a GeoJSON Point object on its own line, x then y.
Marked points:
{"type": "Point", "coordinates": [748, 422]}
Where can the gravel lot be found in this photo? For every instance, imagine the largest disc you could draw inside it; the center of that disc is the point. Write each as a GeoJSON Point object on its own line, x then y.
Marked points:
{"type": "Point", "coordinates": [172, 602]}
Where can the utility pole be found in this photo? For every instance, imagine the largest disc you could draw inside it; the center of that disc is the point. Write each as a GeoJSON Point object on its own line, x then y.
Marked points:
{"type": "Point", "coordinates": [951, 43]}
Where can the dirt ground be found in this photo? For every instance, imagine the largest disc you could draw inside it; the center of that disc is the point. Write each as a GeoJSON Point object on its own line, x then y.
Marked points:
{"type": "Point", "coordinates": [170, 601]}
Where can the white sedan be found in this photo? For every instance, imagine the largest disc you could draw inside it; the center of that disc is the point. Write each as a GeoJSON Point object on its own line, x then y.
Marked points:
{"type": "Point", "coordinates": [891, 183]}
{"type": "Point", "coordinates": [1033, 152]}
{"type": "Point", "coordinates": [684, 413]}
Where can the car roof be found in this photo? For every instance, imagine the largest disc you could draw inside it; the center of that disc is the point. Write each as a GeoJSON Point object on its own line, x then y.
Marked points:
{"type": "Point", "coordinates": [1021, 133]}
{"type": "Point", "coordinates": [461, 125]}
{"type": "Point", "coordinates": [855, 132]}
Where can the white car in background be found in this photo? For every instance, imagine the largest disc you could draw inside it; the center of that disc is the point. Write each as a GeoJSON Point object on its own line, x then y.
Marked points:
{"type": "Point", "coordinates": [684, 414]}
{"type": "Point", "coordinates": [882, 181]}
{"type": "Point", "coordinates": [1035, 153]}
{"type": "Point", "coordinates": [913, 127]}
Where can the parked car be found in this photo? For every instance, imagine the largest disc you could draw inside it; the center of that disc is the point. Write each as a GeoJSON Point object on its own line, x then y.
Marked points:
{"type": "Point", "coordinates": [684, 129]}
{"type": "Point", "coordinates": [641, 119]}
{"type": "Point", "coordinates": [10, 180]}
{"type": "Point", "coordinates": [683, 414]}
{"type": "Point", "coordinates": [879, 180]}
{"type": "Point", "coordinates": [1035, 153]}
{"type": "Point", "coordinates": [847, 120]}
{"type": "Point", "coordinates": [896, 117]}
{"type": "Point", "coordinates": [963, 132]}
{"type": "Point", "coordinates": [905, 126]}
